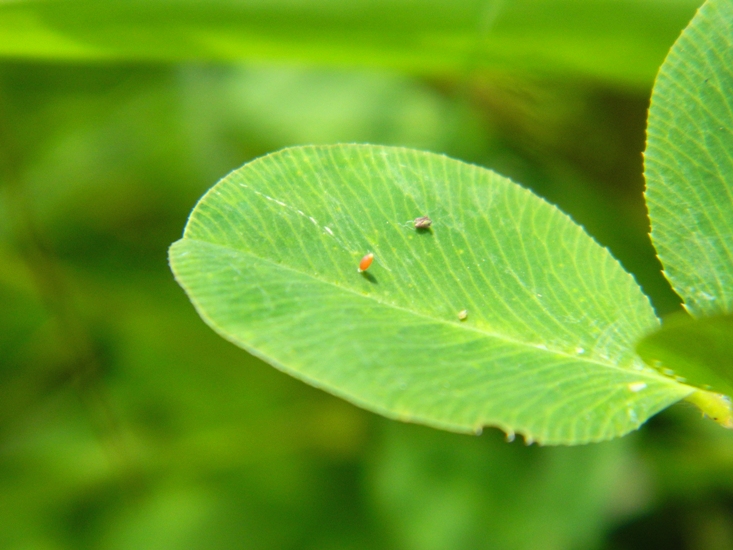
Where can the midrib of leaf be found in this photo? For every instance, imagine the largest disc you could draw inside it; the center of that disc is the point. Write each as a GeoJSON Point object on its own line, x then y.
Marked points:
{"type": "Point", "coordinates": [647, 372]}
{"type": "Point", "coordinates": [467, 297]}
{"type": "Point", "coordinates": [515, 395]}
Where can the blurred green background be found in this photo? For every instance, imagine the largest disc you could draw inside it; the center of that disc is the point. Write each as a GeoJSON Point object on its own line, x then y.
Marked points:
{"type": "Point", "coordinates": [125, 423]}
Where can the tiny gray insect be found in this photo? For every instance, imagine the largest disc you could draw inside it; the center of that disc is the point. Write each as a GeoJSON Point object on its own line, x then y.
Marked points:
{"type": "Point", "coordinates": [423, 222]}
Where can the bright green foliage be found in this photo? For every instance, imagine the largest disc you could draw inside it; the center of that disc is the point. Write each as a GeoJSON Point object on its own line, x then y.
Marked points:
{"type": "Point", "coordinates": [269, 258]}
{"type": "Point", "coordinates": [126, 423]}
{"type": "Point", "coordinates": [607, 40]}
{"type": "Point", "coordinates": [689, 171]}
{"type": "Point", "coordinates": [700, 350]}
{"type": "Point", "coordinates": [689, 162]}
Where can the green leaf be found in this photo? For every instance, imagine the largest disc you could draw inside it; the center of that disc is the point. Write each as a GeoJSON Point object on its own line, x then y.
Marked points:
{"type": "Point", "coordinates": [689, 162]}
{"type": "Point", "coordinates": [699, 350]}
{"type": "Point", "coordinates": [617, 41]}
{"type": "Point", "coordinates": [269, 258]}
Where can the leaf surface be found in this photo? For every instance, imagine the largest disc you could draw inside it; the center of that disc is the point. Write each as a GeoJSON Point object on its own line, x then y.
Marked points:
{"type": "Point", "coordinates": [269, 258]}
{"type": "Point", "coordinates": [617, 41]}
{"type": "Point", "coordinates": [689, 162]}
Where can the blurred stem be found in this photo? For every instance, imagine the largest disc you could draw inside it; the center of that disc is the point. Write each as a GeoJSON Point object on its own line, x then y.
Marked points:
{"type": "Point", "coordinates": [81, 366]}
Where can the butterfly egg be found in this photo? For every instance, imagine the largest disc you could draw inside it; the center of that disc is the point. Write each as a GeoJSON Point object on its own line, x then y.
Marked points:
{"type": "Point", "coordinates": [365, 262]}
{"type": "Point", "coordinates": [463, 315]}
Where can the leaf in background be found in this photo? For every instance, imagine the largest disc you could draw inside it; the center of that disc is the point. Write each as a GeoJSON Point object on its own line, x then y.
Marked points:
{"type": "Point", "coordinates": [699, 350]}
{"type": "Point", "coordinates": [441, 491]}
{"type": "Point", "coordinates": [269, 259]}
{"type": "Point", "coordinates": [689, 162]}
{"type": "Point", "coordinates": [617, 41]}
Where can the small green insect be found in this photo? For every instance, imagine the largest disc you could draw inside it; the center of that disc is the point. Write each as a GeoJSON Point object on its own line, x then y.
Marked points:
{"type": "Point", "coordinates": [715, 405]}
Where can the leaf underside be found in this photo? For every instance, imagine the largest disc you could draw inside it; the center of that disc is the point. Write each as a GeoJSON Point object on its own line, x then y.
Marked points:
{"type": "Point", "coordinates": [269, 258]}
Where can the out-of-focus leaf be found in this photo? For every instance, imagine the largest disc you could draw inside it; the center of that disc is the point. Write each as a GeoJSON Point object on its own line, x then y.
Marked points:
{"type": "Point", "coordinates": [699, 350]}
{"type": "Point", "coordinates": [279, 106]}
{"type": "Point", "coordinates": [440, 491]}
{"type": "Point", "coordinates": [689, 162]}
{"type": "Point", "coordinates": [269, 258]}
{"type": "Point", "coordinates": [617, 41]}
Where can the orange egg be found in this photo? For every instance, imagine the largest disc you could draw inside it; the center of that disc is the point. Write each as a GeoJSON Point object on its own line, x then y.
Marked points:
{"type": "Point", "coordinates": [365, 262]}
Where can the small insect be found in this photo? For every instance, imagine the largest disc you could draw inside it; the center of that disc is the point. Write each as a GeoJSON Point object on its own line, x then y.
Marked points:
{"type": "Point", "coordinates": [463, 315]}
{"type": "Point", "coordinates": [365, 262]}
{"type": "Point", "coordinates": [423, 222]}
